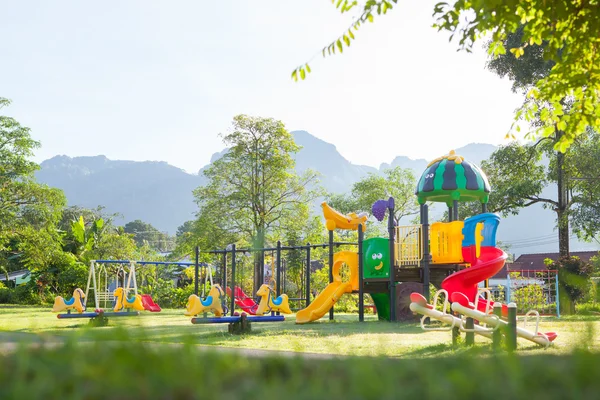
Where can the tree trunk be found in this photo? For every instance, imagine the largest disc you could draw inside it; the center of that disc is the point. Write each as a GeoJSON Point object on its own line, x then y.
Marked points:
{"type": "Point", "coordinates": [259, 261]}
{"type": "Point", "coordinates": [562, 214]}
{"type": "Point", "coordinates": [563, 233]}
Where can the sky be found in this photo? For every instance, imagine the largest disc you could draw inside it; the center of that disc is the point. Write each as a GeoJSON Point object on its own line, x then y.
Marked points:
{"type": "Point", "coordinates": [156, 80]}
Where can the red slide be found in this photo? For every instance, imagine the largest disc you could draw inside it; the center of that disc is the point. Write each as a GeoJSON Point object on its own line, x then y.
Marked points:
{"type": "Point", "coordinates": [244, 302]}
{"type": "Point", "coordinates": [490, 261]}
{"type": "Point", "coordinates": [149, 304]}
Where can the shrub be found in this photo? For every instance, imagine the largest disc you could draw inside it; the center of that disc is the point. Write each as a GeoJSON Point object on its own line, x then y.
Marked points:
{"type": "Point", "coordinates": [162, 291]}
{"type": "Point", "coordinates": [5, 294]}
{"type": "Point", "coordinates": [588, 309]}
{"type": "Point", "coordinates": [70, 276]}
{"type": "Point", "coordinates": [530, 297]}
{"type": "Point", "coordinates": [25, 294]}
{"type": "Point", "coordinates": [574, 280]}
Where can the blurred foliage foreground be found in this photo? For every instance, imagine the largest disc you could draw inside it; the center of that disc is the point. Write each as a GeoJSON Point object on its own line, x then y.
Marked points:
{"type": "Point", "coordinates": [145, 371]}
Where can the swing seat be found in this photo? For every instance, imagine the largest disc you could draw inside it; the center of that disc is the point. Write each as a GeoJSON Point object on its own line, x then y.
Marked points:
{"type": "Point", "coordinates": [207, 302]}
{"type": "Point", "coordinates": [70, 302]}
{"type": "Point", "coordinates": [277, 301]}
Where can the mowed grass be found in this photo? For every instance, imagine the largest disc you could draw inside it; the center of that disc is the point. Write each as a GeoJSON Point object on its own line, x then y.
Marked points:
{"type": "Point", "coordinates": [343, 336]}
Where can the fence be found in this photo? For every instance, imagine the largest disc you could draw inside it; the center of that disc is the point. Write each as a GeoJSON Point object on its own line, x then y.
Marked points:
{"type": "Point", "coordinates": [534, 290]}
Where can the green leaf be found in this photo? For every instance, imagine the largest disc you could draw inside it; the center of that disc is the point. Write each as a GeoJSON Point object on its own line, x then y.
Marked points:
{"type": "Point", "coordinates": [78, 228]}
{"type": "Point", "coordinates": [339, 45]}
{"type": "Point", "coordinates": [295, 75]}
{"type": "Point", "coordinates": [518, 51]}
{"type": "Point", "coordinates": [307, 68]}
{"type": "Point", "coordinates": [302, 73]}
{"type": "Point", "coordinates": [89, 244]}
{"type": "Point", "coordinates": [386, 7]}
{"type": "Point", "coordinates": [347, 40]}
{"type": "Point", "coordinates": [370, 17]}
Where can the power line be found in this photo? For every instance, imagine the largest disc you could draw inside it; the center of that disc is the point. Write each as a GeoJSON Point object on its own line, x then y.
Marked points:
{"type": "Point", "coordinates": [531, 239]}
{"type": "Point", "coordinates": [541, 243]}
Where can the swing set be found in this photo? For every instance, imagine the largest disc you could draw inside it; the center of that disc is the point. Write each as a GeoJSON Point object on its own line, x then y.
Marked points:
{"type": "Point", "coordinates": [115, 294]}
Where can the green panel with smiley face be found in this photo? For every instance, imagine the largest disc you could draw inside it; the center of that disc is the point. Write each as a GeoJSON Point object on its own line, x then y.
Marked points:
{"type": "Point", "coordinates": [376, 258]}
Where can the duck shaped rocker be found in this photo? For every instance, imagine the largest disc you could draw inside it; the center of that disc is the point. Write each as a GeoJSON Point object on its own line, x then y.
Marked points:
{"type": "Point", "coordinates": [270, 304]}
{"type": "Point", "coordinates": [76, 302]}
{"type": "Point", "coordinates": [196, 305]}
{"type": "Point", "coordinates": [122, 302]}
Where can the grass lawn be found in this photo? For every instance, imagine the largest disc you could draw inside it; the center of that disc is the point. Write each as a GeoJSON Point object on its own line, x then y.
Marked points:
{"type": "Point", "coordinates": [344, 336]}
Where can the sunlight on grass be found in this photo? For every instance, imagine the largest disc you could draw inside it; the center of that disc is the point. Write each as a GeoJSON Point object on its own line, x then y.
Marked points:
{"type": "Point", "coordinates": [344, 336]}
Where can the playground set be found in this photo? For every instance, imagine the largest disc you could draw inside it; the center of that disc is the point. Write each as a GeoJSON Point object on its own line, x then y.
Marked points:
{"type": "Point", "coordinates": [456, 256]}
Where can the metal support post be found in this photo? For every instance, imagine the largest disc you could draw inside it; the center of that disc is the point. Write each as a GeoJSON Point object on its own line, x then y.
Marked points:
{"type": "Point", "coordinates": [278, 286]}
{"type": "Point", "coordinates": [392, 261]}
{"type": "Point", "coordinates": [426, 254]}
{"type": "Point", "coordinates": [331, 269]}
{"type": "Point", "coordinates": [196, 271]}
{"type": "Point", "coordinates": [307, 274]}
{"type": "Point", "coordinates": [361, 300]}
{"type": "Point", "coordinates": [455, 210]}
{"type": "Point", "coordinates": [232, 280]}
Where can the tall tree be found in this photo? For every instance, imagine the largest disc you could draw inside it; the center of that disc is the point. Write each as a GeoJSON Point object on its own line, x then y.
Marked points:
{"type": "Point", "coordinates": [568, 28]}
{"type": "Point", "coordinates": [582, 170]}
{"type": "Point", "coordinates": [525, 67]}
{"type": "Point", "coordinates": [253, 186]}
{"type": "Point", "coordinates": [29, 211]}
{"type": "Point", "coordinates": [520, 174]}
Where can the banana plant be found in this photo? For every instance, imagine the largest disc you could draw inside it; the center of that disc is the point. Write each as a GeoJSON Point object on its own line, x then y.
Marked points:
{"type": "Point", "coordinates": [86, 238]}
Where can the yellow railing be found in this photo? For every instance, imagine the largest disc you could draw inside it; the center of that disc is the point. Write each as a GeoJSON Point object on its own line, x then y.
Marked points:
{"type": "Point", "coordinates": [408, 245]}
{"type": "Point", "coordinates": [446, 242]}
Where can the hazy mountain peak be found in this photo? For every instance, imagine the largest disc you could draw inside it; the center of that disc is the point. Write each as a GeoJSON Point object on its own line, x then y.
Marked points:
{"type": "Point", "coordinates": [161, 194]}
{"type": "Point", "coordinates": [303, 138]}
{"type": "Point", "coordinates": [88, 161]}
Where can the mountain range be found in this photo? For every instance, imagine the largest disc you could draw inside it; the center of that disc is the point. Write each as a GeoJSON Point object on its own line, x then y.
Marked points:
{"type": "Point", "coordinates": [161, 194]}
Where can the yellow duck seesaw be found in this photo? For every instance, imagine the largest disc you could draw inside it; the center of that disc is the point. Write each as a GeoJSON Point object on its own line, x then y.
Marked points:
{"type": "Point", "coordinates": [196, 305]}
{"type": "Point", "coordinates": [74, 303]}
{"type": "Point", "coordinates": [123, 302]}
{"type": "Point", "coordinates": [270, 304]}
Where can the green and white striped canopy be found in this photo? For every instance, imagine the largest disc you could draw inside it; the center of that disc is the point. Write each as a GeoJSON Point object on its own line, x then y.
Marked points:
{"type": "Point", "coordinates": [450, 178]}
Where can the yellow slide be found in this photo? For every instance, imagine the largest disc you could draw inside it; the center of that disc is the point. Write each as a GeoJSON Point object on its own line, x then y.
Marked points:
{"type": "Point", "coordinates": [324, 301]}
{"type": "Point", "coordinates": [327, 298]}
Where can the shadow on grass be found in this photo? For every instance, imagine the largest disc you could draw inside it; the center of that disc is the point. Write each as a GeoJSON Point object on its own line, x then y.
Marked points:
{"type": "Point", "coordinates": [217, 335]}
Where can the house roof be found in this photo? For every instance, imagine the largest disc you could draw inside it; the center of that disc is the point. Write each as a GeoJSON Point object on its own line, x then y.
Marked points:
{"type": "Point", "coordinates": [514, 266]}
{"type": "Point", "coordinates": [15, 275]}
{"type": "Point", "coordinates": [535, 261]}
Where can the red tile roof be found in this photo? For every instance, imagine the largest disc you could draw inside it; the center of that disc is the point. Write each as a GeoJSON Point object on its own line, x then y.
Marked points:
{"type": "Point", "coordinates": [536, 261]}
